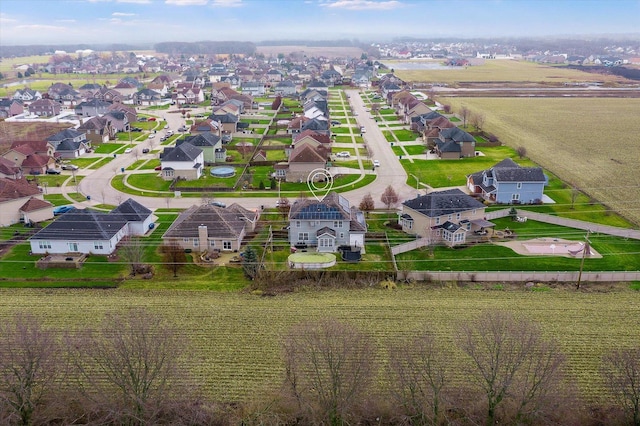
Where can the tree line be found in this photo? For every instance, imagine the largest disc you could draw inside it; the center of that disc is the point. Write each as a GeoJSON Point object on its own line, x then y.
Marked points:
{"type": "Point", "coordinates": [129, 370]}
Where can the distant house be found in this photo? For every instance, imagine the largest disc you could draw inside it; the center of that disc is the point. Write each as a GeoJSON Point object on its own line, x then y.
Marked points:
{"type": "Point", "coordinates": [146, 97]}
{"type": "Point", "coordinates": [212, 228]}
{"type": "Point", "coordinates": [228, 121]}
{"type": "Point", "coordinates": [285, 88]}
{"type": "Point", "coordinates": [45, 108]}
{"type": "Point", "coordinates": [210, 144]}
{"type": "Point", "coordinates": [183, 161]}
{"type": "Point", "coordinates": [89, 231]}
{"type": "Point", "coordinates": [92, 108]}
{"type": "Point", "coordinates": [15, 194]}
{"type": "Point", "coordinates": [9, 169]}
{"type": "Point", "coordinates": [443, 216]}
{"type": "Point", "coordinates": [31, 156]}
{"type": "Point", "coordinates": [118, 120]}
{"type": "Point", "coordinates": [455, 143]}
{"type": "Point", "coordinates": [310, 151]}
{"type": "Point", "coordinates": [509, 183]}
{"type": "Point", "coordinates": [70, 143]}
{"type": "Point", "coordinates": [27, 95]}
{"type": "Point", "coordinates": [10, 108]}
{"type": "Point", "coordinates": [97, 129]}
{"type": "Point", "coordinates": [253, 88]}
{"type": "Point", "coordinates": [326, 224]}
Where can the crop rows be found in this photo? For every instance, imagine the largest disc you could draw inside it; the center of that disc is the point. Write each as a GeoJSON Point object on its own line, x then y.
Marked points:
{"type": "Point", "coordinates": [235, 337]}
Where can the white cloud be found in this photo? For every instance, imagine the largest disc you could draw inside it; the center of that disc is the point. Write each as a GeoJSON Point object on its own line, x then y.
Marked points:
{"type": "Point", "coordinates": [122, 14]}
{"type": "Point", "coordinates": [66, 21]}
{"type": "Point", "coordinates": [41, 27]}
{"type": "Point", "coordinates": [4, 19]}
{"type": "Point", "coordinates": [134, 1]}
{"type": "Point", "coordinates": [363, 4]}
{"type": "Point", "coordinates": [227, 3]}
{"type": "Point", "coordinates": [187, 2]}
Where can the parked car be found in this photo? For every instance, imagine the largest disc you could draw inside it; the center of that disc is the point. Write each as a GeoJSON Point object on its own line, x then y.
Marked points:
{"type": "Point", "coordinates": [69, 167]}
{"type": "Point", "coordinates": [62, 209]}
{"type": "Point", "coordinates": [343, 154]}
{"type": "Point", "coordinates": [53, 172]}
{"type": "Point", "coordinates": [145, 150]}
{"type": "Point", "coordinates": [335, 122]}
{"type": "Point", "coordinates": [218, 204]}
{"type": "Point", "coordinates": [158, 168]}
{"type": "Point", "coordinates": [128, 150]}
{"type": "Point", "coordinates": [152, 135]}
{"type": "Point", "coordinates": [376, 163]}
{"type": "Point", "coordinates": [152, 119]}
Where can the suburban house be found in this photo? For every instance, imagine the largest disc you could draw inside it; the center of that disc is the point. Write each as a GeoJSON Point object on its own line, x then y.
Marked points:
{"type": "Point", "coordinates": [27, 95]}
{"type": "Point", "coordinates": [188, 95]}
{"type": "Point", "coordinates": [70, 143]}
{"type": "Point", "coordinates": [184, 161]}
{"type": "Point", "coordinates": [146, 97]}
{"type": "Point", "coordinates": [10, 108]}
{"type": "Point", "coordinates": [509, 183]}
{"type": "Point", "coordinates": [253, 88]}
{"type": "Point", "coordinates": [455, 143]}
{"type": "Point", "coordinates": [97, 129]}
{"type": "Point", "coordinates": [206, 126]}
{"type": "Point", "coordinates": [31, 156]}
{"type": "Point", "coordinates": [16, 203]}
{"type": "Point", "coordinates": [285, 88]}
{"type": "Point", "coordinates": [444, 217]}
{"type": "Point", "coordinates": [327, 224]}
{"type": "Point", "coordinates": [45, 107]}
{"type": "Point", "coordinates": [92, 108]}
{"type": "Point", "coordinates": [118, 120]}
{"type": "Point", "coordinates": [310, 151]}
{"type": "Point", "coordinates": [108, 95]}
{"type": "Point", "coordinates": [211, 228]}
{"type": "Point", "coordinates": [89, 231]}
{"type": "Point", "coordinates": [9, 169]}
{"type": "Point", "coordinates": [228, 121]}
{"type": "Point", "coordinates": [130, 112]}
{"type": "Point", "coordinates": [210, 144]}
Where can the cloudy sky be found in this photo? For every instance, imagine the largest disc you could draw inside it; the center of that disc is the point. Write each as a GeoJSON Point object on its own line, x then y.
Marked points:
{"type": "Point", "coordinates": [144, 21]}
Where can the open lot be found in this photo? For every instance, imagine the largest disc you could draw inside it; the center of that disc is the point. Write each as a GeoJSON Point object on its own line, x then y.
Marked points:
{"type": "Point", "coordinates": [499, 72]}
{"type": "Point", "coordinates": [235, 337]}
{"type": "Point", "coordinates": [588, 143]}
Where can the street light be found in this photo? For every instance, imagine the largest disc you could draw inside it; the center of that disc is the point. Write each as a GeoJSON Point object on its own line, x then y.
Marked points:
{"type": "Point", "coordinates": [417, 183]}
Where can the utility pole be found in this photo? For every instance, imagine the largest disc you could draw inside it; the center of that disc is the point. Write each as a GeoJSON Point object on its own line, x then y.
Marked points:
{"type": "Point", "coordinates": [584, 253]}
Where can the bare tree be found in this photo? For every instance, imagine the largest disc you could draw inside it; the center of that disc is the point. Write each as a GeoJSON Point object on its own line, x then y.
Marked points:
{"type": "Point", "coordinates": [173, 256]}
{"type": "Point", "coordinates": [129, 365]}
{"type": "Point", "coordinates": [418, 375]}
{"type": "Point", "coordinates": [367, 204]}
{"type": "Point", "coordinates": [477, 120]}
{"type": "Point", "coordinates": [389, 197]}
{"type": "Point", "coordinates": [30, 367]}
{"type": "Point", "coordinates": [284, 206]}
{"type": "Point", "coordinates": [621, 372]}
{"type": "Point", "coordinates": [328, 369]}
{"type": "Point", "coordinates": [464, 114]}
{"type": "Point", "coordinates": [446, 108]}
{"type": "Point", "coordinates": [132, 251]}
{"type": "Point", "coordinates": [521, 151]}
{"type": "Point", "coordinates": [575, 192]}
{"type": "Point", "coordinates": [513, 366]}
{"type": "Point", "coordinates": [244, 148]}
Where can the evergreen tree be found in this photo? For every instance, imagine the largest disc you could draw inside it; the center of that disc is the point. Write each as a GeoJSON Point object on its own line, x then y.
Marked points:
{"type": "Point", "coordinates": [250, 262]}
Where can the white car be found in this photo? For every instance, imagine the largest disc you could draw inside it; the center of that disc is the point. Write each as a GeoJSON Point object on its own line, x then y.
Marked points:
{"type": "Point", "coordinates": [343, 154]}
{"type": "Point", "coordinates": [376, 163]}
{"type": "Point", "coordinates": [128, 150]}
{"type": "Point", "coordinates": [151, 136]}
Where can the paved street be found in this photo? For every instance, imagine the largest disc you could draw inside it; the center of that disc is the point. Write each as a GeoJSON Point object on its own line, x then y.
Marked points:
{"type": "Point", "coordinates": [390, 172]}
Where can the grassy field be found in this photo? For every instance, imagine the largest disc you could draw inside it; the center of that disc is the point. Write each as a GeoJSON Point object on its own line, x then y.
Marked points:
{"type": "Point", "coordinates": [235, 336]}
{"type": "Point", "coordinates": [500, 71]}
{"type": "Point", "coordinates": [589, 143]}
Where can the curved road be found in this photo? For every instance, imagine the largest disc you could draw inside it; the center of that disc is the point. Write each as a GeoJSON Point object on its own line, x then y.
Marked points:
{"type": "Point", "coordinates": [96, 182]}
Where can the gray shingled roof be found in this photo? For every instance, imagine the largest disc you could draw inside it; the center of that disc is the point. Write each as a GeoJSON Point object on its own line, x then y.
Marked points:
{"type": "Point", "coordinates": [183, 152]}
{"type": "Point", "coordinates": [220, 222]}
{"type": "Point", "coordinates": [132, 211]}
{"type": "Point", "coordinates": [440, 203]}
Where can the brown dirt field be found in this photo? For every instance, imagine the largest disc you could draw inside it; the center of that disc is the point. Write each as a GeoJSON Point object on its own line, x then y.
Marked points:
{"type": "Point", "coordinates": [10, 132]}
{"type": "Point", "coordinates": [330, 52]}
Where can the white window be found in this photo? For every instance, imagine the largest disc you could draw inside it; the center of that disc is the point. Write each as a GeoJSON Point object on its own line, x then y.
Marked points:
{"type": "Point", "coordinates": [458, 216]}
{"type": "Point", "coordinates": [337, 224]}
{"type": "Point", "coordinates": [515, 197]}
{"type": "Point", "coordinates": [437, 232]}
{"type": "Point", "coordinates": [303, 236]}
{"type": "Point", "coordinates": [226, 245]}
{"type": "Point", "coordinates": [519, 185]}
{"type": "Point", "coordinates": [196, 242]}
{"type": "Point", "coordinates": [185, 240]}
{"type": "Point", "coordinates": [97, 245]}
{"type": "Point", "coordinates": [450, 217]}
{"type": "Point", "coordinates": [44, 245]}
{"type": "Point", "coordinates": [212, 243]}
{"type": "Point", "coordinates": [298, 224]}
{"type": "Point", "coordinates": [409, 224]}
{"type": "Point", "coordinates": [438, 220]}
{"type": "Point", "coordinates": [73, 247]}
{"type": "Point", "coordinates": [312, 223]}
{"type": "Point", "coordinates": [342, 235]}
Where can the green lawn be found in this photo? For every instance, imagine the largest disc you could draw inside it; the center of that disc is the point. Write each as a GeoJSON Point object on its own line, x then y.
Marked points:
{"type": "Point", "coordinates": [343, 139]}
{"type": "Point", "coordinates": [148, 181]}
{"type": "Point", "coordinates": [51, 180]}
{"type": "Point", "coordinates": [101, 163]}
{"type": "Point", "coordinates": [276, 155]}
{"type": "Point", "coordinates": [415, 149]}
{"type": "Point", "coordinates": [405, 135]}
{"type": "Point", "coordinates": [56, 200]}
{"type": "Point", "coordinates": [388, 135]}
{"type": "Point", "coordinates": [109, 148]}
{"type": "Point", "coordinates": [341, 130]}
{"type": "Point", "coordinates": [618, 254]}
{"type": "Point", "coordinates": [124, 136]}
{"type": "Point", "coordinates": [85, 161]}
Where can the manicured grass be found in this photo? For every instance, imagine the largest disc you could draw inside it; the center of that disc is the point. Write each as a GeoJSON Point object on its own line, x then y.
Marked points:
{"type": "Point", "coordinates": [415, 149]}
{"type": "Point", "coordinates": [343, 139]}
{"type": "Point", "coordinates": [148, 181]}
{"type": "Point", "coordinates": [136, 165]}
{"type": "Point", "coordinates": [341, 130]}
{"type": "Point", "coordinates": [124, 136]}
{"type": "Point", "coordinates": [84, 161]}
{"type": "Point", "coordinates": [158, 107]}
{"type": "Point", "coordinates": [388, 135]}
{"type": "Point", "coordinates": [150, 164]}
{"type": "Point", "coordinates": [100, 163]}
{"type": "Point", "coordinates": [76, 196]}
{"type": "Point", "coordinates": [56, 200]}
{"type": "Point", "coordinates": [276, 155]}
{"type": "Point", "coordinates": [405, 135]}
{"type": "Point", "coordinates": [109, 148]}
{"type": "Point", "coordinates": [50, 180]}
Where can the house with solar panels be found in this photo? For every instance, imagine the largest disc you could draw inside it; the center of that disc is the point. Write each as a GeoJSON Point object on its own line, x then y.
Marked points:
{"type": "Point", "coordinates": [329, 225]}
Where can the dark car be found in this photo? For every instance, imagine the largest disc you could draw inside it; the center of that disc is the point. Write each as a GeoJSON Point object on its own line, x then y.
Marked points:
{"type": "Point", "coordinates": [53, 172]}
{"type": "Point", "coordinates": [158, 168]}
{"type": "Point", "coordinates": [62, 209]}
{"type": "Point", "coordinates": [145, 150]}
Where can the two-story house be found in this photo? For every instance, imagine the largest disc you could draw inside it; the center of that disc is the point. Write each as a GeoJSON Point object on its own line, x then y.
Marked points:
{"type": "Point", "coordinates": [443, 216]}
{"type": "Point", "coordinates": [45, 107]}
{"type": "Point", "coordinates": [455, 143]}
{"type": "Point", "coordinates": [509, 183]}
{"type": "Point", "coordinates": [183, 161]}
{"type": "Point", "coordinates": [327, 224]}
{"type": "Point", "coordinates": [10, 108]}
{"type": "Point", "coordinates": [211, 145]}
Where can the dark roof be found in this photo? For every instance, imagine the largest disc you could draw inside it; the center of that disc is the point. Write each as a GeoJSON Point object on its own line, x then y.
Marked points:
{"type": "Point", "coordinates": [332, 207]}
{"type": "Point", "coordinates": [11, 189]}
{"type": "Point", "coordinates": [83, 224]}
{"type": "Point", "coordinates": [440, 203]}
{"type": "Point", "coordinates": [65, 134]}
{"type": "Point", "coordinates": [132, 211]}
{"type": "Point", "coordinates": [326, 230]}
{"type": "Point", "coordinates": [203, 139]}
{"type": "Point", "coordinates": [225, 118]}
{"type": "Point", "coordinates": [220, 222]}
{"type": "Point", "coordinates": [456, 134]}
{"type": "Point", "coordinates": [183, 152]}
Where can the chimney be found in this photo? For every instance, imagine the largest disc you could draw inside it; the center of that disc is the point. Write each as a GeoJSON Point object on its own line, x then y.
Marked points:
{"type": "Point", "coordinates": [203, 238]}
